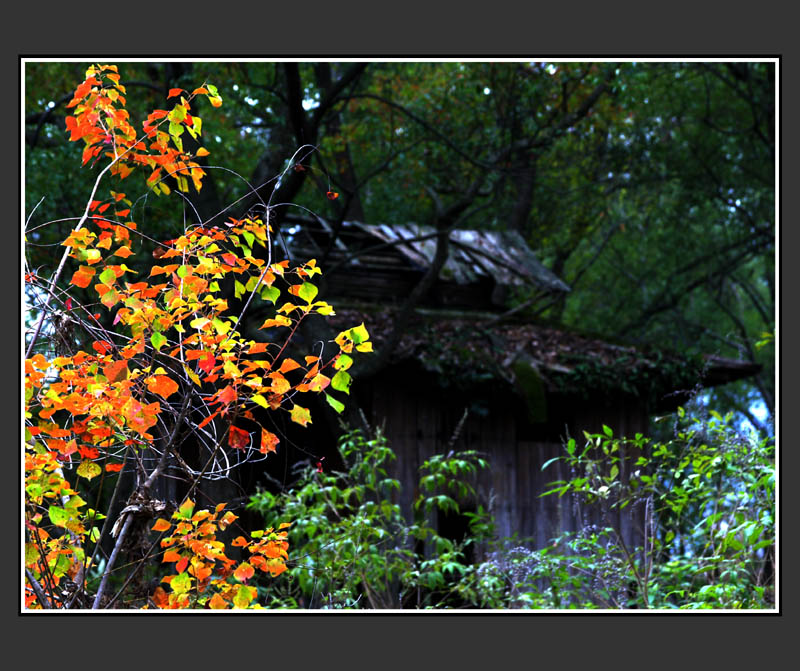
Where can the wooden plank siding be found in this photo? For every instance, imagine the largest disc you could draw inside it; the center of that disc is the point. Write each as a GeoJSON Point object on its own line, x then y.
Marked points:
{"type": "Point", "coordinates": [419, 420]}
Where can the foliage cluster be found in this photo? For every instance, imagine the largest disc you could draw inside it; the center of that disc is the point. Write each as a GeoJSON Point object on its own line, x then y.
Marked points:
{"type": "Point", "coordinates": [706, 497]}
{"type": "Point", "coordinates": [171, 368]}
{"type": "Point", "coordinates": [353, 545]}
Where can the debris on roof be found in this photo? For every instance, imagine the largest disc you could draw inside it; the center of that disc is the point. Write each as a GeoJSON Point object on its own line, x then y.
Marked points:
{"type": "Point", "coordinates": [567, 362]}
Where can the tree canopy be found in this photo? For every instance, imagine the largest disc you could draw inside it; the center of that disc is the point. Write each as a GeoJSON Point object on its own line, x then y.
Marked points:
{"type": "Point", "coordinates": [648, 187]}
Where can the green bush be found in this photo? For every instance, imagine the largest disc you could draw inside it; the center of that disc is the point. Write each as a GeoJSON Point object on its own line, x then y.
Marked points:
{"type": "Point", "coordinates": [352, 547]}
{"type": "Point", "coordinates": [708, 502]}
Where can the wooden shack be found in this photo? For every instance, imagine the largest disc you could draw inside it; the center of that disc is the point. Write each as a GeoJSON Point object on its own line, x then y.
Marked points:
{"type": "Point", "coordinates": [470, 374]}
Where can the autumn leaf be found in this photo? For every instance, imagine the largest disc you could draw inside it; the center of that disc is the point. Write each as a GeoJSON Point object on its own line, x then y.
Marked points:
{"type": "Point", "coordinates": [89, 469]}
{"type": "Point", "coordinates": [269, 442]}
{"type": "Point", "coordinates": [244, 572]}
{"type": "Point", "coordinates": [102, 347]}
{"type": "Point", "coordinates": [227, 395]}
{"type": "Point", "coordinates": [82, 277]}
{"type": "Point", "coordinates": [238, 438]}
{"type": "Point", "coordinates": [161, 525]}
{"type": "Point", "coordinates": [116, 371]}
{"type": "Point", "coordinates": [162, 385]}
{"type": "Point", "coordinates": [287, 365]}
{"type": "Point", "coordinates": [217, 603]}
{"type": "Point", "coordinates": [301, 415]}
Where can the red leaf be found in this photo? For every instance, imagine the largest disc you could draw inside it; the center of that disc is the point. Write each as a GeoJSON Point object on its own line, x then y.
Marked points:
{"type": "Point", "coordinates": [238, 439]}
{"type": "Point", "coordinates": [332, 195]}
{"type": "Point", "coordinates": [174, 92]}
{"type": "Point", "coordinates": [102, 347]}
{"type": "Point", "coordinates": [207, 362]}
{"type": "Point", "coordinates": [227, 395]}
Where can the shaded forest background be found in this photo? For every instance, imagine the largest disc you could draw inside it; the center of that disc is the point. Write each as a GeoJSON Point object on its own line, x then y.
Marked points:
{"type": "Point", "coordinates": [647, 187]}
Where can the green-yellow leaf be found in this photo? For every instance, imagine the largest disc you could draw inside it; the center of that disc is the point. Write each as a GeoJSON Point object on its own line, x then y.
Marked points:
{"type": "Point", "coordinates": [341, 381]}
{"type": "Point", "coordinates": [336, 405]}
{"type": "Point", "coordinates": [157, 340]}
{"type": "Point", "coordinates": [308, 292]}
{"type": "Point", "coordinates": [89, 469]}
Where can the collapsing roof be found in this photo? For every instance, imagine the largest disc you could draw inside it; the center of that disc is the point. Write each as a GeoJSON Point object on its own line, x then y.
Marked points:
{"type": "Point", "coordinates": [498, 257]}
{"type": "Point", "coordinates": [501, 255]}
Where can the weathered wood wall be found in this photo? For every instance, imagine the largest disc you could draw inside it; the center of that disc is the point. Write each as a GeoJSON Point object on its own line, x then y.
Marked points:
{"type": "Point", "coordinates": [419, 420]}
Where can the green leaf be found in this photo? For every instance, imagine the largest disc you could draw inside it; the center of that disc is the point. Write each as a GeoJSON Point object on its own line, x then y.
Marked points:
{"type": "Point", "coordinates": [270, 293]}
{"type": "Point", "coordinates": [58, 516]}
{"type": "Point", "coordinates": [359, 334]}
{"type": "Point", "coordinates": [158, 340]}
{"type": "Point", "coordinates": [307, 292]}
{"type": "Point", "coordinates": [175, 130]}
{"type": "Point", "coordinates": [107, 276]}
{"type": "Point", "coordinates": [341, 381]}
{"type": "Point", "coordinates": [336, 405]}
{"type": "Point", "coordinates": [186, 510]}
{"type": "Point", "coordinates": [549, 461]}
{"type": "Point", "coordinates": [343, 362]}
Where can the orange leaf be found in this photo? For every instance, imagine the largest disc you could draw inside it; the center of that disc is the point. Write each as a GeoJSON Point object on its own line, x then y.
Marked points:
{"type": "Point", "coordinates": [161, 525]}
{"type": "Point", "coordinates": [116, 371]}
{"type": "Point", "coordinates": [162, 385]}
{"type": "Point", "coordinates": [287, 365]}
{"type": "Point", "coordinates": [202, 152]}
{"type": "Point", "coordinates": [82, 277]}
{"type": "Point", "coordinates": [217, 603]}
{"type": "Point", "coordinates": [171, 555]}
{"type": "Point", "coordinates": [227, 395]}
{"type": "Point", "coordinates": [244, 572]}
{"type": "Point", "coordinates": [258, 348]}
{"type": "Point", "coordinates": [239, 542]}
{"type": "Point", "coordinates": [114, 468]}
{"type": "Point", "coordinates": [174, 92]}
{"type": "Point", "coordinates": [102, 347]}
{"type": "Point", "coordinates": [269, 442]}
